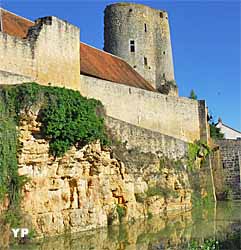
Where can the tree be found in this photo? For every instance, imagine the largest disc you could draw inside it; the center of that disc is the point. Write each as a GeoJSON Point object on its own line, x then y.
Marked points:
{"type": "Point", "coordinates": [193, 95]}
{"type": "Point", "coordinates": [215, 132]}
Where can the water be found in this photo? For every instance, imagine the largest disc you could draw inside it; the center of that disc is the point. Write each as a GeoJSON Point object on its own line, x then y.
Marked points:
{"type": "Point", "coordinates": [174, 231]}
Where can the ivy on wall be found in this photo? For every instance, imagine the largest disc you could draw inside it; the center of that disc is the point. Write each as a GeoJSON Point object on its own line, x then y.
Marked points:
{"type": "Point", "coordinates": [67, 119]}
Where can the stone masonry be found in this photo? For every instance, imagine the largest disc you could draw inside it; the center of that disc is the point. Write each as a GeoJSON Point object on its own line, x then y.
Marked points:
{"type": "Point", "coordinates": [230, 152]}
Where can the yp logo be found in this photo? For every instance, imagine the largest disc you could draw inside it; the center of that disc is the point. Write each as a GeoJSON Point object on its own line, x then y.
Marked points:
{"type": "Point", "coordinates": [20, 231]}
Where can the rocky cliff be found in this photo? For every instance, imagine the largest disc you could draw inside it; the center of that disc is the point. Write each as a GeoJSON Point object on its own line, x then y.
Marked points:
{"type": "Point", "coordinates": [89, 188]}
{"type": "Point", "coordinates": [59, 176]}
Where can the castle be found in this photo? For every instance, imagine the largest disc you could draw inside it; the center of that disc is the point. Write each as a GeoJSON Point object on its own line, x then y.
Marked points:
{"type": "Point", "coordinates": [153, 128]}
{"type": "Point", "coordinates": [133, 77]}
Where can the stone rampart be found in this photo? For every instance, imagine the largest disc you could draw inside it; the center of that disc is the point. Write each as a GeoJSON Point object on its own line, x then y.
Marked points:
{"type": "Point", "coordinates": [49, 54]}
{"type": "Point", "coordinates": [146, 140]}
{"type": "Point", "coordinates": [178, 117]}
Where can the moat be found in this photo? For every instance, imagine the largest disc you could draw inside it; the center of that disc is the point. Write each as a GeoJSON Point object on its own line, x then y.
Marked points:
{"type": "Point", "coordinates": [221, 223]}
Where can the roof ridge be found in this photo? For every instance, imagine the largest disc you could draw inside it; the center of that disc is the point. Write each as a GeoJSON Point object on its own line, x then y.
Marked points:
{"type": "Point", "coordinates": [231, 128]}
{"type": "Point", "coordinates": [16, 14]}
{"type": "Point", "coordinates": [105, 52]}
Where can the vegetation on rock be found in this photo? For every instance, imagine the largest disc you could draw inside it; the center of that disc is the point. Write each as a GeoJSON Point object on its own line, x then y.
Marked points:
{"type": "Point", "coordinates": [66, 118]}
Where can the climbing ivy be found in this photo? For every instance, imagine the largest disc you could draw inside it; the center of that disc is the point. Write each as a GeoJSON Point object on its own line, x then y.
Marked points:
{"type": "Point", "coordinates": [67, 119]}
{"type": "Point", "coordinates": [198, 149]}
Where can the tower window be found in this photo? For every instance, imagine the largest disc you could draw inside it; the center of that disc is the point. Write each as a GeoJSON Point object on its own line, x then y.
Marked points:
{"type": "Point", "coordinates": [164, 52]}
{"type": "Point", "coordinates": [130, 10]}
{"type": "Point", "coordinates": [145, 27]}
{"type": "Point", "coordinates": [164, 75]}
{"type": "Point", "coordinates": [132, 46]}
{"type": "Point", "coordinates": [145, 61]}
{"type": "Point", "coordinates": [161, 15]}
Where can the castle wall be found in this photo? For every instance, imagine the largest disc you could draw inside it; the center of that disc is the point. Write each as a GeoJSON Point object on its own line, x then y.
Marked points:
{"type": "Point", "coordinates": [12, 78]}
{"type": "Point", "coordinates": [49, 54]}
{"type": "Point", "coordinates": [16, 56]}
{"type": "Point", "coordinates": [230, 153]}
{"type": "Point", "coordinates": [145, 140]}
{"type": "Point", "coordinates": [169, 115]}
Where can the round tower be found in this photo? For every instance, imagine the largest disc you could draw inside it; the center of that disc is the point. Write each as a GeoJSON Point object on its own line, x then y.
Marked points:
{"type": "Point", "coordinates": [141, 36]}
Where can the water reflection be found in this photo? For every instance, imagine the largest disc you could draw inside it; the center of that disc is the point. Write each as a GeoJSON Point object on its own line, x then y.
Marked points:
{"type": "Point", "coordinates": [174, 231]}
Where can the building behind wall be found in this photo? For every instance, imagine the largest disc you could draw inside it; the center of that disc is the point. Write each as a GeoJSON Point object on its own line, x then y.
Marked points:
{"type": "Point", "coordinates": [141, 35]}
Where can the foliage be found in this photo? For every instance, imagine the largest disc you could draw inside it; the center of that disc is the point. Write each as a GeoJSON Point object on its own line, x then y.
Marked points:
{"type": "Point", "coordinates": [12, 217]}
{"type": "Point", "coordinates": [193, 150]}
{"type": "Point", "coordinates": [149, 215]}
{"type": "Point", "coordinates": [10, 182]}
{"type": "Point", "coordinates": [67, 119]}
{"type": "Point", "coordinates": [199, 149]}
{"type": "Point", "coordinates": [121, 211]}
{"type": "Point", "coordinates": [209, 244]}
{"type": "Point", "coordinates": [193, 95]}
{"type": "Point", "coordinates": [215, 132]}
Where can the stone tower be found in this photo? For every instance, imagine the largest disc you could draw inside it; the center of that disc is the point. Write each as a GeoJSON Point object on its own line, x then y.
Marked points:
{"type": "Point", "coordinates": [140, 35]}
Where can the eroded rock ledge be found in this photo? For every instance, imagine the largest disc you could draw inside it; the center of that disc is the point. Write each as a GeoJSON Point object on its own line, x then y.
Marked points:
{"type": "Point", "coordinates": [89, 188]}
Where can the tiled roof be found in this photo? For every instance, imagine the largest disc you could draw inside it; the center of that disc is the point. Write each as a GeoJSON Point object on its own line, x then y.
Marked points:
{"type": "Point", "coordinates": [93, 62]}
{"type": "Point", "coordinates": [105, 66]}
{"type": "Point", "coordinates": [14, 25]}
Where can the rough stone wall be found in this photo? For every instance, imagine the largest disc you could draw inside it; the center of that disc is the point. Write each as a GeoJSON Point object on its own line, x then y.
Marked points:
{"type": "Point", "coordinates": [146, 140]}
{"type": "Point", "coordinates": [218, 174]}
{"type": "Point", "coordinates": [11, 78]}
{"type": "Point", "coordinates": [169, 115]}
{"type": "Point", "coordinates": [49, 54]}
{"type": "Point", "coordinates": [82, 189]}
{"type": "Point", "coordinates": [149, 28]}
{"type": "Point", "coordinates": [16, 56]}
{"type": "Point", "coordinates": [230, 152]}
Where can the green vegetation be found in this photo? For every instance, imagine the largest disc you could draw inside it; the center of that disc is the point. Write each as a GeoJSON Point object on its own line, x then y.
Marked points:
{"type": "Point", "coordinates": [232, 242]}
{"type": "Point", "coordinates": [149, 215]}
{"type": "Point", "coordinates": [215, 132]}
{"type": "Point", "coordinates": [206, 245]}
{"type": "Point", "coordinates": [199, 149]}
{"type": "Point", "coordinates": [67, 119]}
{"type": "Point", "coordinates": [10, 182]}
{"type": "Point", "coordinates": [193, 95]}
{"type": "Point", "coordinates": [121, 212]}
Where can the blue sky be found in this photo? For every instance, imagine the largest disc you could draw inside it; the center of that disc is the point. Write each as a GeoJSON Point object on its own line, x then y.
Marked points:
{"type": "Point", "coordinates": [205, 42]}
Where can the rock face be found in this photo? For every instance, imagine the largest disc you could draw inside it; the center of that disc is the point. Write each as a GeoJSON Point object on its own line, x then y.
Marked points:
{"type": "Point", "coordinates": [90, 187]}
